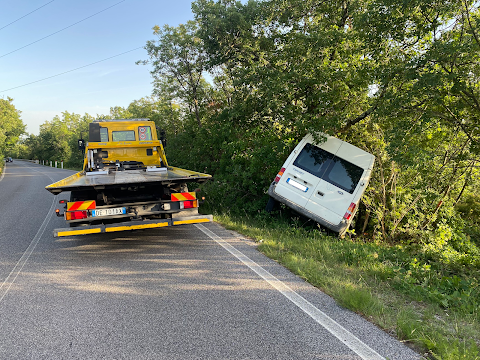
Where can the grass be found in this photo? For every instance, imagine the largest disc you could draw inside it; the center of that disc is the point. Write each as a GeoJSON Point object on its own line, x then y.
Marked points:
{"type": "Point", "coordinates": [416, 299]}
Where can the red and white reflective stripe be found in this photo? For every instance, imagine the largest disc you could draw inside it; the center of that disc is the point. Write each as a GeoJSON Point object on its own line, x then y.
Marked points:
{"type": "Point", "coordinates": [279, 175]}
{"type": "Point", "coordinates": [349, 212]}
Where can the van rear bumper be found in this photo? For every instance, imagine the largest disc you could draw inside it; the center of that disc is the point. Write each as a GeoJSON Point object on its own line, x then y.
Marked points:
{"type": "Point", "coordinates": [339, 228]}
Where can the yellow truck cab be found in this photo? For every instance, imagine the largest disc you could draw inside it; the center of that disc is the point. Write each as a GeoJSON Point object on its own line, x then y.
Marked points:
{"type": "Point", "coordinates": [133, 143]}
{"type": "Point", "coordinates": [126, 182]}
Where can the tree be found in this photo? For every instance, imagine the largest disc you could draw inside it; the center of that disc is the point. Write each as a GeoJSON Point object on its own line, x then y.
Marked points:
{"type": "Point", "coordinates": [162, 110]}
{"type": "Point", "coordinates": [178, 58]}
{"type": "Point", "coordinates": [11, 126]}
{"type": "Point", "coordinates": [58, 139]}
{"type": "Point", "coordinates": [397, 78]}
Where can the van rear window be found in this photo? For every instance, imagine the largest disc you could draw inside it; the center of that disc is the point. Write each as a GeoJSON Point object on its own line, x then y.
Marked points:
{"type": "Point", "coordinates": [325, 165]}
{"type": "Point", "coordinates": [313, 159]}
{"type": "Point", "coordinates": [343, 174]}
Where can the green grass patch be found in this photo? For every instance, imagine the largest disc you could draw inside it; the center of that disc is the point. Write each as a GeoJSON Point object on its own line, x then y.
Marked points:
{"type": "Point", "coordinates": [428, 304]}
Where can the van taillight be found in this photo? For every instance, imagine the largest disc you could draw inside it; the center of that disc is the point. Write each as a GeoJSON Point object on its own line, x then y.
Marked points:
{"type": "Point", "coordinates": [349, 212]}
{"type": "Point", "coordinates": [279, 175]}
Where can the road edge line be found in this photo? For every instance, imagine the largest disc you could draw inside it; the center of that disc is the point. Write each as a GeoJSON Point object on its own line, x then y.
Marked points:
{"type": "Point", "coordinates": [4, 170]}
{"type": "Point", "coordinates": [337, 330]}
{"type": "Point", "coordinates": [26, 255]}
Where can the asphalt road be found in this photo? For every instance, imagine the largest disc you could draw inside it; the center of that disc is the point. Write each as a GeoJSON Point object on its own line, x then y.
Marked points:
{"type": "Point", "coordinates": [187, 292]}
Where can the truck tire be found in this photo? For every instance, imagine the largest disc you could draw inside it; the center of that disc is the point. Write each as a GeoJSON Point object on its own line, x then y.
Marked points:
{"type": "Point", "coordinates": [271, 205]}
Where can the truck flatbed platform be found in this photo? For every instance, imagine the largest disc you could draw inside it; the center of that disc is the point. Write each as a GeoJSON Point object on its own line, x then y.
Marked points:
{"type": "Point", "coordinates": [83, 180]}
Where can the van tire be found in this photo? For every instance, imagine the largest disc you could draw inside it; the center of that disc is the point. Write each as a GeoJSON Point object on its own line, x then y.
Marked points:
{"type": "Point", "coordinates": [271, 205]}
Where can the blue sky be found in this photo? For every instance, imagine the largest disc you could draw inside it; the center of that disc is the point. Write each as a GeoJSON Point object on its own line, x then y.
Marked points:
{"type": "Point", "coordinates": [93, 89]}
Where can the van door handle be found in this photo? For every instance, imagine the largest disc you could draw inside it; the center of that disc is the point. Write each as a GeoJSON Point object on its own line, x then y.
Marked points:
{"type": "Point", "coordinates": [320, 193]}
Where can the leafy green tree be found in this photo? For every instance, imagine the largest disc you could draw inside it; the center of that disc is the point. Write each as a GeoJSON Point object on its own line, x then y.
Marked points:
{"type": "Point", "coordinates": [58, 139]}
{"type": "Point", "coordinates": [179, 60]}
{"type": "Point", "coordinates": [397, 79]}
{"type": "Point", "coordinates": [11, 126]}
{"type": "Point", "coordinates": [163, 111]}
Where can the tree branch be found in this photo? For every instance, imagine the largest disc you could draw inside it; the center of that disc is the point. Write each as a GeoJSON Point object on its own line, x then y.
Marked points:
{"type": "Point", "coordinates": [366, 113]}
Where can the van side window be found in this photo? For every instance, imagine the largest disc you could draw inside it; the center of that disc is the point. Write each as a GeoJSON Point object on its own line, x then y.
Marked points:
{"type": "Point", "coordinates": [103, 134]}
{"type": "Point", "coordinates": [313, 160]}
{"type": "Point", "coordinates": [344, 175]}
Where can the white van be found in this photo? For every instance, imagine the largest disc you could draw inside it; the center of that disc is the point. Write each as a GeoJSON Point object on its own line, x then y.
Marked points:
{"type": "Point", "coordinates": [323, 182]}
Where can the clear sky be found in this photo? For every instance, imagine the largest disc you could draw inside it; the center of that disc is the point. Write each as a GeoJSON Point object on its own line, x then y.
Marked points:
{"type": "Point", "coordinates": [93, 89]}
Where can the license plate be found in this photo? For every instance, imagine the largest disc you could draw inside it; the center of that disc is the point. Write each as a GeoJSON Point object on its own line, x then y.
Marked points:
{"type": "Point", "coordinates": [109, 212]}
{"type": "Point", "coordinates": [297, 185]}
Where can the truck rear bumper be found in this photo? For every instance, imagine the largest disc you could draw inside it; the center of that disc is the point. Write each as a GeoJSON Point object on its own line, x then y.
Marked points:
{"type": "Point", "coordinates": [132, 225]}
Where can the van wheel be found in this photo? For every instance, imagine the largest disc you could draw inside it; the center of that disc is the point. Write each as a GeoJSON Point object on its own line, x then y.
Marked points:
{"type": "Point", "coordinates": [271, 205]}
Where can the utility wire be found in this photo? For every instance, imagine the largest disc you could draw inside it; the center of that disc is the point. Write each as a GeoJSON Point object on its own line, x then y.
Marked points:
{"type": "Point", "coordinates": [65, 72]}
{"type": "Point", "coordinates": [26, 15]}
{"type": "Point", "coordinates": [56, 32]}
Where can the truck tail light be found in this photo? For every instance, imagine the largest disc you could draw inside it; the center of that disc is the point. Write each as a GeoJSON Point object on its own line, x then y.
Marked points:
{"type": "Point", "coordinates": [188, 204]}
{"type": "Point", "coordinates": [349, 212]}
{"type": "Point", "coordinates": [75, 215]}
{"type": "Point", "coordinates": [279, 175]}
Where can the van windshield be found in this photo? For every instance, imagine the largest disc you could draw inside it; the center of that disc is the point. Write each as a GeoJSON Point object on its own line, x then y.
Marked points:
{"type": "Point", "coordinates": [325, 165]}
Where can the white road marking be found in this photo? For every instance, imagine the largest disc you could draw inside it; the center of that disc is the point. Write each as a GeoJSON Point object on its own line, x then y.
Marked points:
{"type": "Point", "coordinates": [8, 282]}
{"type": "Point", "coordinates": [4, 171]}
{"type": "Point", "coordinates": [345, 336]}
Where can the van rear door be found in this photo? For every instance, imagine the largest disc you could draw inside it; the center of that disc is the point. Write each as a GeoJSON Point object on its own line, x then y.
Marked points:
{"type": "Point", "coordinates": [303, 173]}
{"type": "Point", "coordinates": [297, 184]}
{"type": "Point", "coordinates": [341, 182]}
{"type": "Point", "coordinates": [336, 190]}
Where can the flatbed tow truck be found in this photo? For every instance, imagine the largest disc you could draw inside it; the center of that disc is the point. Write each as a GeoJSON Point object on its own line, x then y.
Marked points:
{"type": "Point", "coordinates": [126, 183]}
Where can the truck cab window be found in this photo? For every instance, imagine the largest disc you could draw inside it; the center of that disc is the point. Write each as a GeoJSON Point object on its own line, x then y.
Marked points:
{"type": "Point", "coordinates": [103, 134]}
{"type": "Point", "coordinates": [128, 135]}
{"type": "Point", "coordinates": [144, 133]}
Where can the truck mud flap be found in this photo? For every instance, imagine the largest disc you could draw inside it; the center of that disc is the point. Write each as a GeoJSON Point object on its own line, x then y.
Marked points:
{"type": "Point", "coordinates": [131, 225]}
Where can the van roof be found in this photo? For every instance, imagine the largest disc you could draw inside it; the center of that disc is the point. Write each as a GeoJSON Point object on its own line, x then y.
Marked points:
{"type": "Point", "coordinates": [344, 150]}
